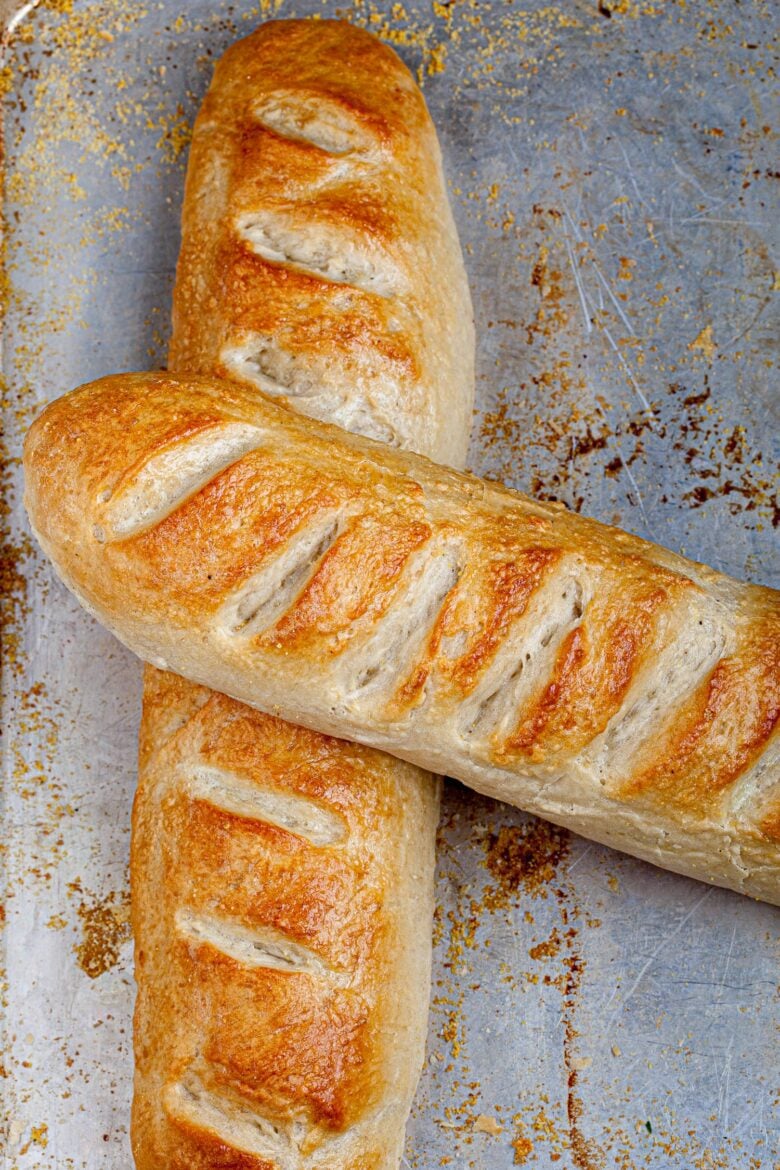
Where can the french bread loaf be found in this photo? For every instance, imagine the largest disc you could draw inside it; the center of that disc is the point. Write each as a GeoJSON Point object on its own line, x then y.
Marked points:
{"type": "Point", "coordinates": [282, 900]}
{"type": "Point", "coordinates": [319, 259]}
{"type": "Point", "coordinates": [540, 657]}
{"type": "Point", "coordinates": [282, 881]}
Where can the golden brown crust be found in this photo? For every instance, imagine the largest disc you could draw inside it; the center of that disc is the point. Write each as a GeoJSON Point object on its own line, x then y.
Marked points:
{"type": "Point", "coordinates": [601, 657]}
{"type": "Point", "coordinates": [317, 237]}
{"type": "Point", "coordinates": [727, 722]}
{"type": "Point", "coordinates": [617, 688]}
{"type": "Point", "coordinates": [322, 1059]}
{"type": "Point", "coordinates": [304, 1045]}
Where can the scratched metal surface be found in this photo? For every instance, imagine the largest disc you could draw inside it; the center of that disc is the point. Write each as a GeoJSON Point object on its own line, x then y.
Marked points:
{"type": "Point", "coordinates": [611, 174]}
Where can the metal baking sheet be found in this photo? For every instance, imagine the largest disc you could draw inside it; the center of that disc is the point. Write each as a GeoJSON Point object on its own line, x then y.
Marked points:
{"type": "Point", "coordinates": [611, 170]}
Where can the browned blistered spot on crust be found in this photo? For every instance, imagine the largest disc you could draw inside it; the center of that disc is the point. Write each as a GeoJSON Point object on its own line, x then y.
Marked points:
{"type": "Point", "coordinates": [179, 432]}
{"type": "Point", "coordinates": [568, 664]}
{"type": "Point", "coordinates": [309, 315]}
{"type": "Point", "coordinates": [255, 536]}
{"type": "Point", "coordinates": [722, 729]}
{"type": "Point", "coordinates": [595, 666]}
{"type": "Point", "coordinates": [769, 824]}
{"type": "Point", "coordinates": [503, 592]}
{"type": "Point", "coordinates": [331, 1026]}
{"type": "Point", "coordinates": [508, 588]}
{"type": "Point", "coordinates": [204, 1151]}
{"type": "Point", "coordinates": [270, 877]}
{"type": "Point", "coordinates": [355, 580]}
{"type": "Point", "coordinates": [261, 152]}
{"type": "Point", "coordinates": [357, 782]}
{"type": "Point", "coordinates": [360, 215]}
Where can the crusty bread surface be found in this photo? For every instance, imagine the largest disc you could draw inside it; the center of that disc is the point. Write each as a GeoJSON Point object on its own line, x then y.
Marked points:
{"type": "Point", "coordinates": [545, 659]}
{"type": "Point", "coordinates": [282, 881]}
{"type": "Point", "coordinates": [319, 259]}
{"type": "Point", "coordinates": [282, 889]}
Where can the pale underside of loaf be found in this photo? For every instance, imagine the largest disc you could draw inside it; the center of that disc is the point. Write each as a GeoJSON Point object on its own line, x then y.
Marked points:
{"type": "Point", "coordinates": [540, 657]}
{"type": "Point", "coordinates": [282, 880]}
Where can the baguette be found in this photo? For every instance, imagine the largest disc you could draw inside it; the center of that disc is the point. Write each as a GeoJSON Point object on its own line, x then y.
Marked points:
{"type": "Point", "coordinates": [542, 658]}
{"type": "Point", "coordinates": [282, 899]}
{"type": "Point", "coordinates": [320, 260]}
{"type": "Point", "coordinates": [282, 881]}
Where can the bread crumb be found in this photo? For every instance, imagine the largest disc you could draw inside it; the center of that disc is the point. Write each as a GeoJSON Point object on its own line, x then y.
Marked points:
{"type": "Point", "coordinates": [485, 1124]}
{"type": "Point", "coordinates": [704, 341]}
{"type": "Point", "coordinates": [548, 949]}
{"type": "Point", "coordinates": [522, 1146]}
{"type": "Point", "coordinates": [616, 1051]}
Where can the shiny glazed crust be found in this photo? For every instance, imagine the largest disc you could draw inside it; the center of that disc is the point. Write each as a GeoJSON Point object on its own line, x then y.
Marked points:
{"type": "Point", "coordinates": [540, 657]}
{"type": "Point", "coordinates": [283, 881]}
